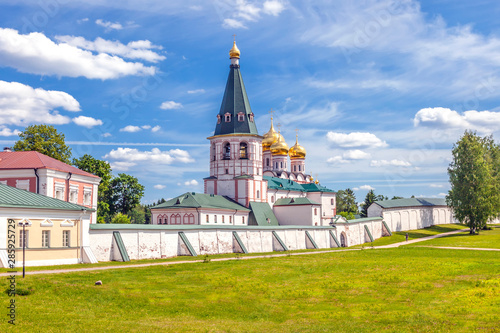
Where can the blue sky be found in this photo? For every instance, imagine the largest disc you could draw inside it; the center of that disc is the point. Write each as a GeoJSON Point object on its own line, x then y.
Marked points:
{"type": "Point", "coordinates": [380, 90]}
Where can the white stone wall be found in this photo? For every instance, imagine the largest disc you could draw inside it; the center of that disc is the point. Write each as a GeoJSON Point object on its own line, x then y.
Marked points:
{"type": "Point", "coordinates": [163, 243]}
{"type": "Point", "coordinates": [412, 218]}
{"type": "Point", "coordinates": [297, 215]}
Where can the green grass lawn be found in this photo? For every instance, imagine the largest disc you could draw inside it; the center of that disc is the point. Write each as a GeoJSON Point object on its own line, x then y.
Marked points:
{"type": "Point", "coordinates": [394, 290]}
{"type": "Point", "coordinates": [400, 236]}
{"type": "Point", "coordinates": [485, 239]}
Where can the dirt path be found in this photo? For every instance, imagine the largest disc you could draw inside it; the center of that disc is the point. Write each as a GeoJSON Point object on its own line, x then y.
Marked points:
{"type": "Point", "coordinates": [69, 270]}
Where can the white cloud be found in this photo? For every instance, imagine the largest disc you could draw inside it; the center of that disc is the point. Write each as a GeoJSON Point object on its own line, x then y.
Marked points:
{"type": "Point", "coordinates": [483, 121]}
{"type": "Point", "coordinates": [309, 115]}
{"type": "Point", "coordinates": [442, 194]}
{"type": "Point", "coordinates": [36, 54]}
{"type": "Point", "coordinates": [230, 23]}
{"type": "Point", "coordinates": [364, 187]}
{"type": "Point", "coordinates": [106, 135]}
{"type": "Point", "coordinates": [88, 122]}
{"type": "Point", "coordinates": [170, 105]}
{"type": "Point", "coordinates": [436, 186]}
{"type": "Point", "coordinates": [159, 186]}
{"type": "Point", "coordinates": [23, 105]}
{"type": "Point", "coordinates": [349, 156]}
{"type": "Point", "coordinates": [121, 165]}
{"type": "Point", "coordinates": [196, 91]}
{"type": "Point", "coordinates": [393, 162]}
{"type": "Point", "coordinates": [4, 131]}
{"type": "Point", "coordinates": [272, 7]}
{"type": "Point", "coordinates": [109, 25]}
{"type": "Point", "coordinates": [130, 129]}
{"type": "Point", "coordinates": [192, 182]}
{"type": "Point", "coordinates": [140, 49]}
{"type": "Point", "coordinates": [133, 128]}
{"type": "Point", "coordinates": [355, 140]}
{"type": "Point", "coordinates": [82, 20]}
{"type": "Point", "coordinates": [125, 158]}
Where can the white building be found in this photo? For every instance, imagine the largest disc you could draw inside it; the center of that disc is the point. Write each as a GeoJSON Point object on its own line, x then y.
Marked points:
{"type": "Point", "coordinates": [413, 213]}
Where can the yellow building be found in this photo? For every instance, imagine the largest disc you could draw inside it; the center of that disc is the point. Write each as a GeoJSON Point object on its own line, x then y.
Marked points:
{"type": "Point", "coordinates": [55, 232]}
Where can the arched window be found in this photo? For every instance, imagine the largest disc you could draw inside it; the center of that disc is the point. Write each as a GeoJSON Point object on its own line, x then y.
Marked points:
{"type": "Point", "coordinates": [281, 165]}
{"type": "Point", "coordinates": [243, 220]}
{"type": "Point", "coordinates": [218, 119]}
{"type": "Point", "coordinates": [222, 218]}
{"type": "Point", "coordinates": [227, 117]}
{"type": "Point", "coordinates": [215, 218]}
{"type": "Point", "coordinates": [331, 202]}
{"type": "Point", "coordinates": [299, 168]}
{"type": "Point", "coordinates": [226, 155]}
{"type": "Point", "coordinates": [243, 151]}
{"type": "Point", "coordinates": [241, 116]}
{"type": "Point", "coordinates": [188, 219]}
{"type": "Point", "coordinates": [315, 211]}
{"type": "Point", "coordinates": [267, 162]}
{"type": "Point", "coordinates": [251, 117]}
{"type": "Point", "coordinates": [175, 219]}
{"type": "Point", "coordinates": [208, 219]}
{"type": "Point", "coordinates": [258, 194]}
{"type": "Point", "coordinates": [159, 221]}
{"type": "Point", "coordinates": [343, 240]}
{"type": "Point", "coordinates": [294, 168]}
{"type": "Point", "coordinates": [213, 152]}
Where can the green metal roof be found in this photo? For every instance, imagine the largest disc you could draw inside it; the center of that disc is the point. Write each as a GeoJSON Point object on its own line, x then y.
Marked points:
{"type": "Point", "coordinates": [16, 198]}
{"type": "Point", "coordinates": [261, 211]}
{"type": "Point", "coordinates": [235, 100]}
{"type": "Point", "coordinates": [111, 226]}
{"type": "Point", "coordinates": [364, 219]}
{"type": "Point", "coordinates": [295, 202]}
{"type": "Point", "coordinates": [411, 202]}
{"type": "Point", "coordinates": [276, 183]}
{"type": "Point", "coordinates": [201, 200]}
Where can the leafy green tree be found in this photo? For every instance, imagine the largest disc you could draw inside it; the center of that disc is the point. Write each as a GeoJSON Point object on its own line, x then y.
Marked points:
{"type": "Point", "coordinates": [101, 169]}
{"type": "Point", "coordinates": [346, 201]}
{"type": "Point", "coordinates": [369, 199]}
{"type": "Point", "coordinates": [125, 193]}
{"type": "Point", "coordinates": [138, 214]}
{"type": "Point", "coordinates": [475, 189]}
{"type": "Point", "coordinates": [46, 140]}
{"type": "Point", "coordinates": [396, 197]}
{"type": "Point", "coordinates": [347, 215]}
{"type": "Point", "coordinates": [120, 218]}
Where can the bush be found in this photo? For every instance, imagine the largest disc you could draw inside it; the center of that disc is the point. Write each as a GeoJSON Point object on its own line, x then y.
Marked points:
{"type": "Point", "coordinates": [120, 218]}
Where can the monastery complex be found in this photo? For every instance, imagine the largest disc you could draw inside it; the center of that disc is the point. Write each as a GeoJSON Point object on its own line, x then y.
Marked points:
{"type": "Point", "coordinates": [257, 197]}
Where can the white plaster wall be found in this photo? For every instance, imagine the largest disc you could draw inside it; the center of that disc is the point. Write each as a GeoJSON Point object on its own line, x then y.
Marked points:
{"type": "Point", "coordinates": [296, 215]}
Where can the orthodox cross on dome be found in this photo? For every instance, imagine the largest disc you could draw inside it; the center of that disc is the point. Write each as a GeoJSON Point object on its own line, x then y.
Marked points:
{"type": "Point", "coordinates": [296, 133]}
{"type": "Point", "coordinates": [234, 38]}
{"type": "Point", "coordinates": [271, 112]}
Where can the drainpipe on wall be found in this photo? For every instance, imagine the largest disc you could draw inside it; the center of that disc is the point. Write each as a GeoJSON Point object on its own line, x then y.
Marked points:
{"type": "Point", "coordinates": [199, 216]}
{"type": "Point", "coordinates": [37, 181]}
{"type": "Point", "coordinates": [67, 185]}
{"type": "Point", "coordinates": [234, 216]}
{"type": "Point", "coordinates": [84, 211]}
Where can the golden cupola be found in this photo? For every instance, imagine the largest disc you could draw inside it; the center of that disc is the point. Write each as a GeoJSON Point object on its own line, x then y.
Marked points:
{"type": "Point", "coordinates": [297, 151]}
{"type": "Point", "coordinates": [234, 52]}
{"type": "Point", "coordinates": [279, 147]}
{"type": "Point", "coordinates": [269, 138]}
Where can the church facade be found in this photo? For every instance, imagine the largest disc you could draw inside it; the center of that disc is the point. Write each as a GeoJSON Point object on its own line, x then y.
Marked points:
{"type": "Point", "coordinates": [254, 179]}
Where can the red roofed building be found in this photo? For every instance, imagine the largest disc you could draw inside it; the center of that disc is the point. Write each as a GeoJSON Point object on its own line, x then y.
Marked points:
{"type": "Point", "coordinates": [39, 173]}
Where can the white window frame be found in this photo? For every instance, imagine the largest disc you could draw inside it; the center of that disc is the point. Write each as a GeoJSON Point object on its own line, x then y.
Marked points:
{"type": "Point", "coordinates": [45, 238]}
{"type": "Point", "coordinates": [23, 184]}
{"type": "Point", "coordinates": [66, 237]}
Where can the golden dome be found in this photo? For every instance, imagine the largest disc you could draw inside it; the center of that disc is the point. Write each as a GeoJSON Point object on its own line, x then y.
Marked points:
{"type": "Point", "coordinates": [279, 147]}
{"type": "Point", "coordinates": [234, 52]}
{"type": "Point", "coordinates": [270, 137]}
{"type": "Point", "coordinates": [297, 151]}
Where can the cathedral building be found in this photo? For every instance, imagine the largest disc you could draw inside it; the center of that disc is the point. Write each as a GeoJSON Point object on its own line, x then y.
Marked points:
{"type": "Point", "coordinates": [254, 179]}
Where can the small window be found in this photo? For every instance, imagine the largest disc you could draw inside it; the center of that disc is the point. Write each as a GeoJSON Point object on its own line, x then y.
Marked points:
{"type": "Point", "coordinates": [258, 194]}
{"type": "Point", "coordinates": [222, 218]}
{"type": "Point", "coordinates": [227, 151]}
{"type": "Point", "coordinates": [218, 119]}
{"type": "Point", "coordinates": [208, 219]}
{"type": "Point", "coordinates": [267, 162]}
{"type": "Point", "coordinates": [294, 168]}
{"type": "Point", "coordinates": [281, 165]}
{"type": "Point", "coordinates": [227, 171]}
{"type": "Point", "coordinates": [331, 202]}
{"type": "Point", "coordinates": [299, 168]}
{"type": "Point", "coordinates": [243, 220]}
{"type": "Point", "coordinates": [215, 218]}
{"type": "Point", "coordinates": [159, 221]}
{"type": "Point", "coordinates": [272, 199]}
{"type": "Point", "coordinates": [45, 238]}
{"type": "Point", "coordinates": [227, 117]}
{"type": "Point", "coordinates": [315, 211]}
{"type": "Point", "coordinates": [251, 117]}
{"type": "Point", "coordinates": [241, 116]}
{"type": "Point", "coordinates": [230, 219]}
{"type": "Point", "coordinates": [243, 151]}
{"type": "Point", "coordinates": [65, 240]}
